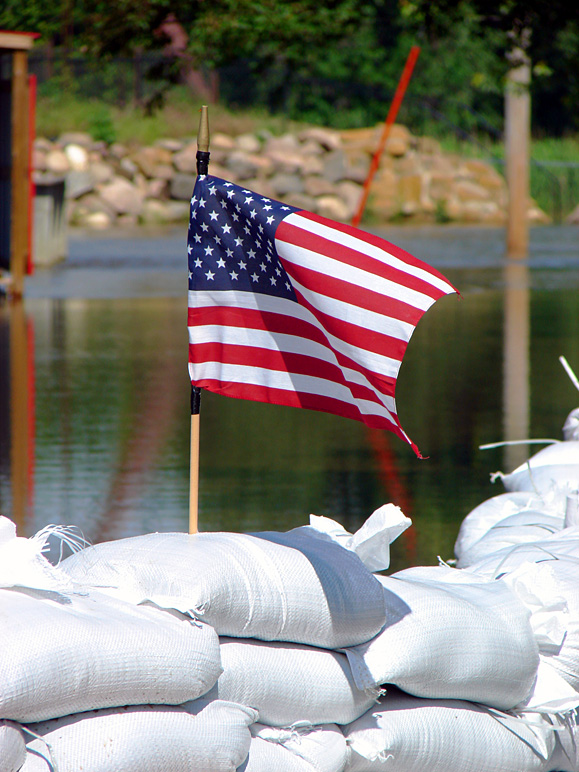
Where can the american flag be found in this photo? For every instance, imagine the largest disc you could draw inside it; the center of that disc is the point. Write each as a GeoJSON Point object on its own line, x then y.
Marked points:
{"type": "Point", "coordinates": [291, 308]}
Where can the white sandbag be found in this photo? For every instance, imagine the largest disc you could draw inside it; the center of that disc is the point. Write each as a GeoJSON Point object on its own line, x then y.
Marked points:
{"type": "Point", "coordinates": [197, 737]}
{"type": "Point", "coordinates": [565, 757]}
{"type": "Point", "coordinates": [571, 426]}
{"type": "Point", "coordinates": [268, 757]}
{"type": "Point", "coordinates": [289, 682]}
{"type": "Point", "coordinates": [22, 561]}
{"type": "Point", "coordinates": [12, 747]}
{"type": "Point", "coordinates": [563, 544]}
{"type": "Point", "coordinates": [372, 541]}
{"type": "Point", "coordinates": [483, 517]}
{"type": "Point", "coordinates": [63, 654]}
{"type": "Point", "coordinates": [521, 528]}
{"type": "Point", "coordinates": [303, 589]}
{"type": "Point", "coordinates": [556, 466]}
{"type": "Point", "coordinates": [468, 640]}
{"type": "Point", "coordinates": [407, 734]}
{"type": "Point", "coordinates": [550, 590]}
{"type": "Point", "coordinates": [298, 749]}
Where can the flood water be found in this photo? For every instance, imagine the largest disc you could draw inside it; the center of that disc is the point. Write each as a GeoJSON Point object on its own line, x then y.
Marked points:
{"type": "Point", "coordinates": [94, 398]}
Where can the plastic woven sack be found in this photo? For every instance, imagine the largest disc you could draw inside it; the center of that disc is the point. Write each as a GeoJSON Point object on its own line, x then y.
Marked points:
{"type": "Point", "coordinates": [23, 563]}
{"type": "Point", "coordinates": [198, 737]}
{"type": "Point", "coordinates": [565, 757]}
{"type": "Point", "coordinates": [550, 590]}
{"type": "Point", "coordinates": [288, 682]}
{"type": "Point", "coordinates": [299, 749]}
{"type": "Point", "coordinates": [407, 734]}
{"type": "Point", "coordinates": [563, 544]}
{"type": "Point", "coordinates": [492, 511]}
{"type": "Point", "coordinates": [268, 757]}
{"type": "Point", "coordinates": [305, 590]}
{"type": "Point", "coordinates": [523, 527]}
{"type": "Point", "coordinates": [12, 747]}
{"type": "Point", "coordinates": [63, 654]}
{"type": "Point", "coordinates": [462, 639]}
{"type": "Point", "coordinates": [556, 466]}
{"type": "Point", "coordinates": [571, 425]}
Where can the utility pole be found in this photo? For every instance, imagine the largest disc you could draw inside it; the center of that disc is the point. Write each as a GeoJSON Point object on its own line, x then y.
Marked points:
{"type": "Point", "coordinates": [517, 149]}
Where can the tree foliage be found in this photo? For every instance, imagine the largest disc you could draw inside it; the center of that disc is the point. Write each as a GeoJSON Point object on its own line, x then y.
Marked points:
{"type": "Point", "coordinates": [338, 61]}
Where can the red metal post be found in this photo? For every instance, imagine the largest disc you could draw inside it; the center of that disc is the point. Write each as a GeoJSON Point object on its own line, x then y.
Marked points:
{"type": "Point", "coordinates": [31, 186]}
{"type": "Point", "coordinates": [391, 117]}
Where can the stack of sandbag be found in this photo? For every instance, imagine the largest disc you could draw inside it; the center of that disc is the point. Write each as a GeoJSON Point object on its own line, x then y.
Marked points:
{"type": "Point", "coordinates": [291, 652]}
{"type": "Point", "coordinates": [112, 659]}
{"type": "Point", "coordinates": [528, 540]}
{"type": "Point", "coordinates": [484, 658]}
{"type": "Point", "coordinates": [285, 605]}
{"type": "Point", "coordinates": [93, 682]}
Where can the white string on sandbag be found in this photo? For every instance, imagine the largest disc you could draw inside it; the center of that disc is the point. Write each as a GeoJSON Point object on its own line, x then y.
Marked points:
{"type": "Point", "coordinates": [293, 586]}
{"type": "Point", "coordinates": [64, 654]}
{"type": "Point", "coordinates": [198, 737]}
{"type": "Point", "coordinates": [491, 511]}
{"type": "Point", "coordinates": [289, 682]}
{"type": "Point", "coordinates": [561, 545]}
{"type": "Point", "coordinates": [569, 371]}
{"type": "Point", "coordinates": [309, 749]}
{"type": "Point", "coordinates": [516, 529]}
{"type": "Point", "coordinates": [23, 563]}
{"type": "Point", "coordinates": [565, 757]}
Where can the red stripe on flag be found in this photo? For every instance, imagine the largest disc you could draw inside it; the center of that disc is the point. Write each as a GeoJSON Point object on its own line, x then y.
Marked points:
{"type": "Point", "coordinates": [360, 337]}
{"type": "Point", "coordinates": [298, 399]}
{"type": "Point", "coordinates": [379, 242]}
{"type": "Point", "coordinates": [363, 297]}
{"type": "Point", "coordinates": [280, 361]}
{"type": "Point", "coordinates": [279, 323]}
{"type": "Point", "coordinates": [298, 237]}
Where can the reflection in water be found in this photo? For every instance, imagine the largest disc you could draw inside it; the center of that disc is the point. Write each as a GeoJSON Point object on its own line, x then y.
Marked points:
{"type": "Point", "coordinates": [17, 412]}
{"type": "Point", "coordinates": [516, 362]}
{"type": "Point", "coordinates": [111, 449]}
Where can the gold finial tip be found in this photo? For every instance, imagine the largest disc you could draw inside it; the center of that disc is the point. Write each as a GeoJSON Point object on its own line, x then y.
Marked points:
{"type": "Point", "coordinates": [203, 134]}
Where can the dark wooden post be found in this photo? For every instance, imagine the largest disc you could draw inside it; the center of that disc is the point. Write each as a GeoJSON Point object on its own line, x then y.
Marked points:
{"type": "Point", "coordinates": [15, 130]}
{"type": "Point", "coordinates": [19, 176]}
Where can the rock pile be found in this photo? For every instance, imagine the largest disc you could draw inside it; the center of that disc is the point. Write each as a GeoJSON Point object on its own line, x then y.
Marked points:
{"type": "Point", "coordinates": [318, 169]}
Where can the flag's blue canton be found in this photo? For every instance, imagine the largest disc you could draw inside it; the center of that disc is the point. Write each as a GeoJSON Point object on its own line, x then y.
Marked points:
{"type": "Point", "coordinates": [230, 241]}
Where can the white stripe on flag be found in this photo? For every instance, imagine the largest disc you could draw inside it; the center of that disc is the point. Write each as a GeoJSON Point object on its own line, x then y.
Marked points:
{"type": "Point", "coordinates": [365, 247]}
{"type": "Point", "coordinates": [273, 341]}
{"type": "Point", "coordinates": [275, 379]}
{"type": "Point", "coordinates": [361, 317]}
{"type": "Point", "coordinates": [383, 366]}
{"type": "Point", "coordinates": [349, 274]}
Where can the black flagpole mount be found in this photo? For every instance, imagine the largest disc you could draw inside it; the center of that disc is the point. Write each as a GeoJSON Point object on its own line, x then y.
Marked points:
{"type": "Point", "coordinates": [202, 168]}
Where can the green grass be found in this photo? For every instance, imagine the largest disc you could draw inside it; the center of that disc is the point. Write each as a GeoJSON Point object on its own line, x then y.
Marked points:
{"type": "Point", "coordinates": [58, 110]}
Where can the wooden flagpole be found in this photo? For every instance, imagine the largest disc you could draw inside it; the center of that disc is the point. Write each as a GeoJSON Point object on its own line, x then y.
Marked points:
{"type": "Point", "coordinates": [391, 117]}
{"type": "Point", "coordinates": [202, 168]}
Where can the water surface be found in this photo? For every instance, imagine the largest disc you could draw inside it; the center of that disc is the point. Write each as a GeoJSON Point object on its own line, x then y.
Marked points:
{"type": "Point", "coordinates": [103, 395]}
